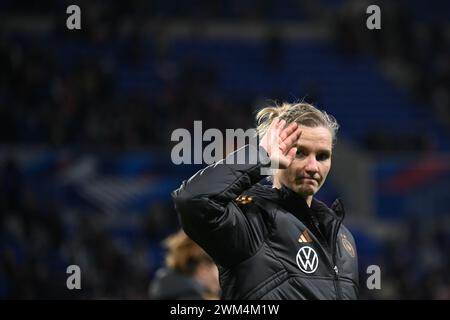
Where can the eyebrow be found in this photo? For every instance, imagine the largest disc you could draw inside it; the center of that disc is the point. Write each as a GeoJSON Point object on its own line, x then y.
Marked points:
{"type": "Point", "coordinates": [326, 151]}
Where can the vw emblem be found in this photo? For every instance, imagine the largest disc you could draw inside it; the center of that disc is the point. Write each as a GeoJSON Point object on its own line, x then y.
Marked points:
{"type": "Point", "coordinates": [307, 259]}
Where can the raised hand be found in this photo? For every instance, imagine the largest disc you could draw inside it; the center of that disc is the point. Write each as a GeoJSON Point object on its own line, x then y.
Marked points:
{"type": "Point", "coordinates": [279, 142]}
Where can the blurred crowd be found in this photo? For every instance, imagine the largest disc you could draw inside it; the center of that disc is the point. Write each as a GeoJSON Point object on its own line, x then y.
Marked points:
{"type": "Point", "coordinates": [71, 99]}
{"type": "Point", "coordinates": [413, 262]}
{"type": "Point", "coordinates": [80, 107]}
{"type": "Point", "coordinates": [413, 53]}
{"type": "Point", "coordinates": [38, 241]}
{"type": "Point", "coordinates": [46, 101]}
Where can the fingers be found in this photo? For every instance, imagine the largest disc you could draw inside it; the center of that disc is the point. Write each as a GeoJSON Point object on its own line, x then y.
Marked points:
{"type": "Point", "coordinates": [292, 152]}
{"type": "Point", "coordinates": [288, 130]}
{"type": "Point", "coordinates": [277, 125]}
{"type": "Point", "coordinates": [291, 140]}
{"type": "Point", "coordinates": [273, 127]}
{"type": "Point", "coordinates": [286, 137]}
{"type": "Point", "coordinates": [298, 132]}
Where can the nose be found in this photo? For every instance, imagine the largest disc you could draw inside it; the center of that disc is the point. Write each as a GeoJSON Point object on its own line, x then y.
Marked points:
{"type": "Point", "coordinates": [311, 166]}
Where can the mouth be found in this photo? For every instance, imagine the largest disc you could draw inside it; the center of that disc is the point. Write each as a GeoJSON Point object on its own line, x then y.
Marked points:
{"type": "Point", "coordinates": [307, 179]}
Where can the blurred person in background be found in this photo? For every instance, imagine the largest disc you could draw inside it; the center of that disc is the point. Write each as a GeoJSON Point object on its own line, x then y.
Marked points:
{"type": "Point", "coordinates": [189, 274]}
{"type": "Point", "coordinates": [274, 242]}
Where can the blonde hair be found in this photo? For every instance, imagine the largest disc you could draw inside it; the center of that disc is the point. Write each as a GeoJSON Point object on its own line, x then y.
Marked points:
{"type": "Point", "coordinates": [184, 255]}
{"type": "Point", "coordinates": [302, 113]}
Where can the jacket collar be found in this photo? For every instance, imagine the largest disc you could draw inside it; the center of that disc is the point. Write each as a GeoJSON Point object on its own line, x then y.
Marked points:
{"type": "Point", "coordinates": [297, 205]}
{"type": "Point", "coordinates": [329, 218]}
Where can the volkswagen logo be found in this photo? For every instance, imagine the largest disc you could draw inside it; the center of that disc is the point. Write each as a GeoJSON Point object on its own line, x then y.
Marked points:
{"type": "Point", "coordinates": [307, 259]}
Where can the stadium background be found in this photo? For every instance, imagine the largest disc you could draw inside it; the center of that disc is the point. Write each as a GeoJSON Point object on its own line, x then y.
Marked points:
{"type": "Point", "coordinates": [86, 118]}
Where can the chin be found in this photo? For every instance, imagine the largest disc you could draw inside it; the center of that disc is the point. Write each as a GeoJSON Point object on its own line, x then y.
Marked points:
{"type": "Point", "coordinates": [306, 191]}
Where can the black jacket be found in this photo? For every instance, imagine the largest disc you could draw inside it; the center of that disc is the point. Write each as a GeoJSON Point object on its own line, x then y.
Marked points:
{"type": "Point", "coordinates": [267, 242]}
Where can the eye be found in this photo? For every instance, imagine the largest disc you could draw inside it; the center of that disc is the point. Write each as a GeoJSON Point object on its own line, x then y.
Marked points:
{"type": "Point", "coordinates": [300, 153]}
{"type": "Point", "coordinates": [323, 156]}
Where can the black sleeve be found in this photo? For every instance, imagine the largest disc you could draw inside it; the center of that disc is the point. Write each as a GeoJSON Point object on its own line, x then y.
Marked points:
{"type": "Point", "coordinates": [208, 213]}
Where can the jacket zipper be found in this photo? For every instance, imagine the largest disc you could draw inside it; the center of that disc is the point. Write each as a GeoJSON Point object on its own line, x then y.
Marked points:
{"type": "Point", "coordinates": [337, 284]}
{"type": "Point", "coordinates": [335, 269]}
{"type": "Point", "coordinates": [333, 265]}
